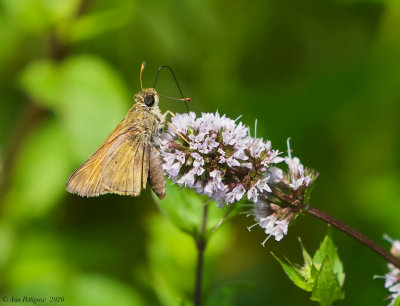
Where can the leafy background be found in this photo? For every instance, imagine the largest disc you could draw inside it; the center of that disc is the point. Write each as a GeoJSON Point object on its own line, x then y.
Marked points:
{"type": "Point", "coordinates": [325, 73]}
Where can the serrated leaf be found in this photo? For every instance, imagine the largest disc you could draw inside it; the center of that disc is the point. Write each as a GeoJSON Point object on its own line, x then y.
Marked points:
{"type": "Point", "coordinates": [294, 275]}
{"type": "Point", "coordinates": [327, 288]}
{"type": "Point", "coordinates": [224, 295]}
{"type": "Point", "coordinates": [308, 270]}
{"type": "Point", "coordinates": [328, 248]}
{"type": "Point", "coordinates": [306, 255]}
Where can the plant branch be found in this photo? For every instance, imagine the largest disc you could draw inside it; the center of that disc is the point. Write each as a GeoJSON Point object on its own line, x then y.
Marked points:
{"type": "Point", "coordinates": [356, 235]}
{"type": "Point", "coordinates": [201, 245]}
{"type": "Point", "coordinates": [33, 113]}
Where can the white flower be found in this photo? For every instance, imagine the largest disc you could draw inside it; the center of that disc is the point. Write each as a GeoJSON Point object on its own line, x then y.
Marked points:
{"type": "Point", "coordinates": [395, 250]}
{"type": "Point", "coordinates": [260, 210]}
{"type": "Point", "coordinates": [256, 147]}
{"type": "Point", "coordinates": [280, 229]}
{"type": "Point", "coordinates": [296, 183]}
{"type": "Point", "coordinates": [273, 219]}
{"type": "Point", "coordinates": [396, 293]}
{"type": "Point", "coordinates": [392, 277]}
{"type": "Point", "coordinates": [172, 169]}
{"type": "Point", "coordinates": [262, 185]}
{"type": "Point", "coordinates": [296, 178]}
{"type": "Point", "coordinates": [252, 194]}
{"type": "Point", "coordinates": [180, 156]}
{"type": "Point", "coordinates": [268, 223]}
{"type": "Point", "coordinates": [296, 170]}
{"type": "Point", "coordinates": [187, 180]}
{"type": "Point", "coordinates": [231, 162]}
{"type": "Point", "coordinates": [236, 194]}
{"type": "Point", "coordinates": [276, 175]}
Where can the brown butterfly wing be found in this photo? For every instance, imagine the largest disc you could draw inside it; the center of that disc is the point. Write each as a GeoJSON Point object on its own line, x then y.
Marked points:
{"type": "Point", "coordinates": [123, 163]}
{"type": "Point", "coordinates": [123, 170]}
{"type": "Point", "coordinates": [86, 180]}
{"type": "Point", "coordinates": [130, 162]}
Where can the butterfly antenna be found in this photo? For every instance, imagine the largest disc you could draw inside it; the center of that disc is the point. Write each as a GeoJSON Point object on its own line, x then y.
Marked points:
{"type": "Point", "coordinates": [141, 70]}
{"type": "Point", "coordinates": [176, 82]}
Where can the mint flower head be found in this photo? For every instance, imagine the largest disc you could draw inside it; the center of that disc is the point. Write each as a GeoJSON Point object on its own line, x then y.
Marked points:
{"type": "Point", "coordinates": [392, 278]}
{"type": "Point", "coordinates": [392, 283]}
{"type": "Point", "coordinates": [215, 156]}
{"type": "Point", "coordinates": [287, 197]}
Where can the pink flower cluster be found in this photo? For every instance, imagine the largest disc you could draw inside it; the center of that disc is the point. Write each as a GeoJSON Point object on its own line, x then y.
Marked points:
{"type": "Point", "coordinates": [216, 156]}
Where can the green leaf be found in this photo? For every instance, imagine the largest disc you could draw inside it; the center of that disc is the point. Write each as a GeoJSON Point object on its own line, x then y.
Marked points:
{"type": "Point", "coordinates": [185, 209]}
{"type": "Point", "coordinates": [294, 275]}
{"type": "Point", "coordinates": [92, 289]}
{"type": "Point", "coordinates": [41, 171]}
{"type": "Point", "coordinates": [224, 295]}
{"type": "Point", "coordinates": [308, 270]}
{"type": "Point", "coordinates": [87, 95]}
{"type": "Point", "coordinates": [38, 16]}
{"type": "Point", "coordinates": [170, 250]}
{"type": "Point", "coordinates": [39, 80]}
{"type": "Point", "coordinates": [92, 100]}
{"type": "Point", "coordinates": [306, 256]}
{"type": "Point", "coordinates": [397, 302]}
{"type": "Point", "coordinates": [318, 274]}
{"type": "Point", "coordinates": [96, 23]}
{"type": "Point", "coordinates": [327, 288]}
{"type": "Point", "coordinates": [327, 248]}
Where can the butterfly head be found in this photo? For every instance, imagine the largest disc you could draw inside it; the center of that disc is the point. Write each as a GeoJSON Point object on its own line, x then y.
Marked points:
{"type": "Point", "coordinates": [147, 97]}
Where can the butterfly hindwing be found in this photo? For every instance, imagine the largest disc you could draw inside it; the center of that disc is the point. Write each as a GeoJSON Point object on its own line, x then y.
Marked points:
{"type": "Point", "coordinates": [157, 178]}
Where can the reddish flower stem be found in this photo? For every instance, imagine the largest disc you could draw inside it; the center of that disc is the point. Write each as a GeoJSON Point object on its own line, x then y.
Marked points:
{"type": "Point", "coordinates": [356, 235]}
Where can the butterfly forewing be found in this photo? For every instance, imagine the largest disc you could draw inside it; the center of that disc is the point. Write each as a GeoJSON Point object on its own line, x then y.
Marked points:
{"type": "Point", "coordinates": [86, 180]}
{"type": "Point", "coordinates": [121, 169]}
{"type": "Point", "coordinates": [120, 165]}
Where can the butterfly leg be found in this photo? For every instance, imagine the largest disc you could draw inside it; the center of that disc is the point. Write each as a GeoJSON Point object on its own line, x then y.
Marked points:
{"type": "Point", "coordinates": [168, 112]}
{"type": "Point", "coordinates": [172, 126]}
{"type": "Point", "coordinates": [177, 132]}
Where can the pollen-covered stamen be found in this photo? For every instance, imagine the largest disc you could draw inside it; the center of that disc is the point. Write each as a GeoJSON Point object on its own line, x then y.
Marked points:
{"type": "Point", "coordinates": [251, 226]}
{"type": "Point", "coordinates": [265, 241]}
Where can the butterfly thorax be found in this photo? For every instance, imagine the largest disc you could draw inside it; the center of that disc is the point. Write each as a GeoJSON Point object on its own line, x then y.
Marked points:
{"type": "Point", "coordinates": [150, 118]}
{"type": "Point", "coordinates": [145, 115]}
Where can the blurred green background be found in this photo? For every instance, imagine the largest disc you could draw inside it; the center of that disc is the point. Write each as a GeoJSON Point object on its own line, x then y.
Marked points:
{"type": "Point", "coordinates": [325, 73]}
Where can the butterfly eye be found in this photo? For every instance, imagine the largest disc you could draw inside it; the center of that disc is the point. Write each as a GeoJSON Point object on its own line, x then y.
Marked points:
{"type": "Point", "coordinates": [149, 100]}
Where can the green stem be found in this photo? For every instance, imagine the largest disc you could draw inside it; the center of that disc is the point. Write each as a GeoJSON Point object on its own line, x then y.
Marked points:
{"type": "Point", "coordinates": [356, 235]}
{"type": "Point", "coordinates": [201, 245]}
